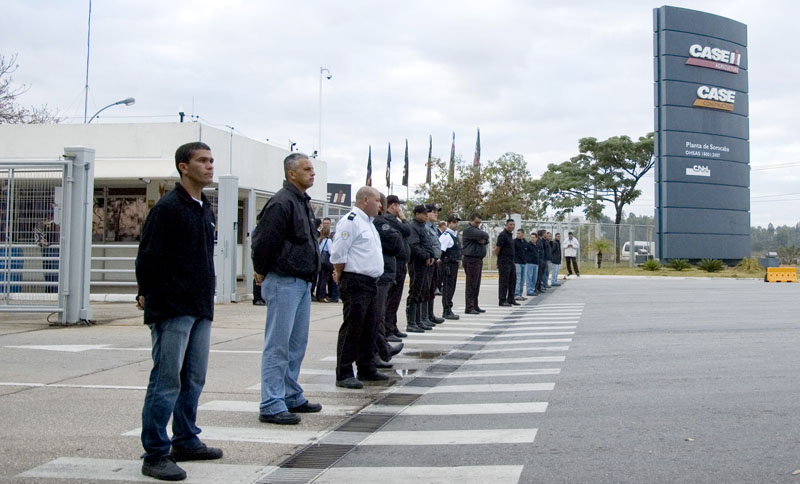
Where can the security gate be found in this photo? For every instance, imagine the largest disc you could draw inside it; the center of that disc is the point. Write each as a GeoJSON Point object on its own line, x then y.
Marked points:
{"type": "Point", "coordinates": [43, 225]}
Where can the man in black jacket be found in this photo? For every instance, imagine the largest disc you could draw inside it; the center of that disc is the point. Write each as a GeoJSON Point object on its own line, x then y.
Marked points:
{"type": "Point", "coordinates": [286, 260]}
{"type": "Point", "coordinates": [175, 275]}
{"type": "Point", "coordinates": [421, 261]}
{"type": "Point", "coordinates": [520, 248]}
{"type": "Point", "coordinates": [555, 260]}
{"type": "Point", "coordinates": [397, 218]}
{"type": "Point", "coordinates": [475, 243]}
{"type": "Point", "coordinates": [451, 256]}
{"type": "Point", "coordinates": [504, 250]}
{"type": "Point", "coordinates": [391, 247]}
{"type": "Point", "coordinates": [544, 257]}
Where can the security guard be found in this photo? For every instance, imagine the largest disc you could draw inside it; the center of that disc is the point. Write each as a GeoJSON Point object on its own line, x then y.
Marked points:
{"type": "Point", "coordinates": [451, 256]}
{"type": "Point", "coordinates": [358, 262]}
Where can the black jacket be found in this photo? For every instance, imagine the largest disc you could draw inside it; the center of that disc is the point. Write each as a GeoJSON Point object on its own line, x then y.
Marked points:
{"type": "Point", "coordinates": [420, 242]}
{"type": "Point", "coordinates": [555, 251]}
{"type": "Point", "coordinates": [391, 245]}
{"type": "Point", "coordinates": [531, 253]}
{"type": "Point", "coordinates": [454, 253]}
{"type": "Point", "coordinates": [520, 248]}
{"type": "Point", "coordinates": [544, 251]}
{"type": "Point", "coordinates": [285, 239]}
{"type": "Point", "coordinates": [405, 231]}
{"type": "Point", "coordinates": [505, 241]}
{"type": "Point", "coordinates": [475, 241]}
{"type": "Point", "coordinates": [175, 263]}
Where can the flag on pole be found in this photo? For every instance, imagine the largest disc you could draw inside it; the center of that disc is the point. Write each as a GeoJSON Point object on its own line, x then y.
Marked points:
{"type": "Point", "coordinates": [389, 167]}
{"type": "Point", "coordinates": [476, 162]}
{"type": "Point", "coordinates": [451, 172]}
{"type": "Point", "coordinates": [405, 167]}
{"type": "Point", "coordinates": [369, 168]}
{"type": "Point", "coordinates": [430, 150]}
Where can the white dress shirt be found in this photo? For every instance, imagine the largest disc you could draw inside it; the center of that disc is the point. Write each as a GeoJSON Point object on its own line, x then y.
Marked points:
{"type": "Point", "coordinates": [445, 241]}
{"type": "Point", "coordinates": [571, 247]}
{"type": "Point", "coordinates": [357, 245]}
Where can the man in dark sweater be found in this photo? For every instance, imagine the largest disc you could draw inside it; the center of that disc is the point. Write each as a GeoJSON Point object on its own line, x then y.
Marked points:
{"type": "Point", "coordinates": [520, 249]}
{"type": "Point", "coordinates": [396, 217]}
{"type": "Point", "coordinates": [286, 259]}
{"type": "Point", "coordinates": [175, 275]}
{"type": "Point", "coordinates": [555, 260]}
{"type": "Point", "coordinates": [504, 250]}
{"type": "Point", "coordinates": [475, 243]}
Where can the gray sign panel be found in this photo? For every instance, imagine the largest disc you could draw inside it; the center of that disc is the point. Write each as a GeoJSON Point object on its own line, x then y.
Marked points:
{"type": "Point", "coordinates": [703, 146]}
{"type": "Point", "coordinates": [699, 195]}
{"type": "Point", "coordinates": [701, 135]}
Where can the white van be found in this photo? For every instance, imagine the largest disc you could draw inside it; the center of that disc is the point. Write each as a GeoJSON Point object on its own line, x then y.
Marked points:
{"type": "Point", "coordinates": [642, 247]}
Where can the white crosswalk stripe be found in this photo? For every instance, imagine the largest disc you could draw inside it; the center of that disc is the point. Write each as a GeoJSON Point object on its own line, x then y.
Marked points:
{"type": "Point", "coordinates": [489, 474]}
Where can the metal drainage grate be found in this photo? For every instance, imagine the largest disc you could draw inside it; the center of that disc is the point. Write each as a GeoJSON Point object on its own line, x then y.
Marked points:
{"type": "Point", "coordinates": [283, 475]}
{"type": "Point", "coordinates": [398, 399]}
{"type": "Point", "coordinates": [424, 382]}
{"type": "Point", "coordinates": [319, 456]}
{"type": "Point", "coordinates": [364, 423]}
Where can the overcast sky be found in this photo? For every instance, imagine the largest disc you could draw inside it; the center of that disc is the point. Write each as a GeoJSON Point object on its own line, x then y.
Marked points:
{"type": "Point", "coordinates": [535, 76]}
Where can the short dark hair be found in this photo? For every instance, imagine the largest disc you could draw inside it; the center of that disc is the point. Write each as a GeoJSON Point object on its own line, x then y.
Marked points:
{"type": "Point", "coordinates": [520, 230]}
{"type": "Point", "coordinates": [326, 218]}
{"type": "Point", "coordinates": [185, 152]}
{"type": "Point", "coordinates": [290, 162]}
{"type": "Point", "coordinates": [474, 216]}
{"type": "Point", "coordinates": [570, 233]}
{"type": "Point", "coordinates": [510, 220]}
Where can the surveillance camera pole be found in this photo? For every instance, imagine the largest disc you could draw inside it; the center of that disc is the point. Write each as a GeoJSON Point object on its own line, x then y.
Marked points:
{"type": "Point", "coordinates": [328, 75]}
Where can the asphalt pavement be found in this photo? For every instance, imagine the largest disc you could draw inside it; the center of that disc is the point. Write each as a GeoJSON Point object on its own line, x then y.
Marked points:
{"type": "Point", "coordinates": [601, 380]}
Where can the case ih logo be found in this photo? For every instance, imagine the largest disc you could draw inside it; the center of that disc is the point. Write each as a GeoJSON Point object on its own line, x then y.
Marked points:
{"type": "Point", "coordinates": [719, 59]}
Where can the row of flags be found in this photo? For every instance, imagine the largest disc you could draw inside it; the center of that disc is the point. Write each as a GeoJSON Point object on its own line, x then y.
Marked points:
{"type": "Point", "coordinates": [428, 177]}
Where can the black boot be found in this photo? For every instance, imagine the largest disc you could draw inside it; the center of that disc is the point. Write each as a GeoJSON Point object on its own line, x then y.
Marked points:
{"type": "Point", "coordinates": [447, 313]}
{"type": "Point", "coordinates": [422, 320]}
{"type": "Point", "coordinates": [433, 317]}
{"type": "Point", "coordinates": [411, 319]}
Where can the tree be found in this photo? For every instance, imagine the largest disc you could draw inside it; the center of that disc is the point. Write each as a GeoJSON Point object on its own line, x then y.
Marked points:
{"type": "Point", "coordinates": [11, 112]}
{"type": "Point", "coordinates": [603, 172]}
{"type": "Point", "coordinates": [510, 188]}
{"type": "Point", "coordinates": [462, 195]}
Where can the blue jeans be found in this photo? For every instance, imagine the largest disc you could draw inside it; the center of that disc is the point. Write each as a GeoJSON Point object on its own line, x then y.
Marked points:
{"type": "Point", "coordinates": [520, 279]}
{"type": "Point", "coordinates": [180, 361]}
{"type": "Point", "coordinates": [285, 339]}
{"type": "Point", "coordinates": [554, 278]}
{"type": "Point", "coordinates": [531, 271]}
{"type": "Point", "coordinates": [546, 274]}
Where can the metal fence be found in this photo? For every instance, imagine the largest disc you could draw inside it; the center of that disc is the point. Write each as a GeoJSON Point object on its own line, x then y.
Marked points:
{"type": "Point", "coordinates": [32, 198]}
{"type": "Point", "coordinates": [622, 237]}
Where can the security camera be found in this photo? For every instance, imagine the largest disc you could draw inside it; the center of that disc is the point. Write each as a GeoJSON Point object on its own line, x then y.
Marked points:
{"type": "Point", "coordinates": [328, 76]}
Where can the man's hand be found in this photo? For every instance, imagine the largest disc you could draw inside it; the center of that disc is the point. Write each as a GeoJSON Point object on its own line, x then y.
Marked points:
{"type": "Point", "coordinates": [258, 278]}
{"type": "Point", "coordinates": [429, 262]}
{"type": "Point", "coordinates": [140, 303]}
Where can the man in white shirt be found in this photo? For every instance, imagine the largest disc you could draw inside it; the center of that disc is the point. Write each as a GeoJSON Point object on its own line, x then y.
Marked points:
{"type": "Point", "coordinates": [451, 256]}
{"type": "Point", "coordinates": [571, 247]}
{"type": "Point", "coordinates": [358, 263]}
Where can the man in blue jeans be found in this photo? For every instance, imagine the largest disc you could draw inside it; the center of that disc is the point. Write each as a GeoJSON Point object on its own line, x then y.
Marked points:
{"type": "Point", "coordinates": [532, 264]}
{"type": "Point", "coordinates": [175, 275]}
{"type": "Point", "coordinates": [286, 258]}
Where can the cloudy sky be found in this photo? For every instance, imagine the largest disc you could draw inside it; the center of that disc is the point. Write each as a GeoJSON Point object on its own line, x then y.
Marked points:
{"type": "Point", "coordinates": [535, 76]}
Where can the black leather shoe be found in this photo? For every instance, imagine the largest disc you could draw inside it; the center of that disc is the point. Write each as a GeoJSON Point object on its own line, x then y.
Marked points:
{"type": "Point", "coordinates": [504, 303]}
{"type": "Point", "coordinates": [393, 339]}
{"type": "Point", "coordinates": [283, 418]}
{"type": "Point", "coordinates": [201, 453]}
{"type": "Point", "coordinates": [351, 383]}
{"type": "Point", "coordinates": [399, 333]}
{"type": "Point", "coordinates": [450, 315]}
{"type": "Point", "coordinates": [306, 407]}
{"type": "Point", "coordinates": [259, 303]}
{"type": "Point", "coordinates": [165, 469]}
{"type": "Point", "coordinates": [520, 298]}
{"type": "Point", "coordinates": [396, 349]}
{"type": "Point", "coordinates": [381, 364]}
{"type": "Point", "coordinates": [414, 329]}
{"type": "Point", "coordinates": [472, 311]}
{"type": "Point", "coordinates": [373, 377]}
{"type": "Point", "coordinates": [480, 310]}
{"type": "Point", "coordinates": [514, 303]}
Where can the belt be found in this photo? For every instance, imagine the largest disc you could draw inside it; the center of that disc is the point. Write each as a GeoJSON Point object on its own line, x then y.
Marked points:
{"type": "Point", "coordinates": [360, 276]}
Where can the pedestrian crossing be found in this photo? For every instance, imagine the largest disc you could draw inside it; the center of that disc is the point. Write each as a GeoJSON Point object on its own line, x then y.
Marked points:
{"type": "Point", "coordinates": [501, 364]}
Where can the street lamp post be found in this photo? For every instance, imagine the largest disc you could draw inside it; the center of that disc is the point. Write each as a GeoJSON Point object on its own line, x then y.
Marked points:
{"type": "Point", "coordinates": [230, 146]}
{"type": "Point", "coordinates": [327, 74]}
{"type": "Point", "coordinates": [127, 102]}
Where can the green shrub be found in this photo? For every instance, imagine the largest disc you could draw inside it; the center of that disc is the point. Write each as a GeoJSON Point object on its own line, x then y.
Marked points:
{"type": "Point", "coordinates": [679, 264]}
{"type": "Point", "coordinates": [749, 265]}
{"type": "Point", "coordinates": [711, 265]}
{"type": "Point", "coordinates": [651, 265]}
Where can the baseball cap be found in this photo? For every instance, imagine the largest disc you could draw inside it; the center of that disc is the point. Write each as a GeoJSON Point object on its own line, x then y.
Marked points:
{"type": "Point", "coordinates": [420, 209]}
{"type": "Point", "coordinates": [394, 199]}
{"type": "Point", "coordinates": [432, 207]}
{"type": "Point", "coordinates": [453, 218]}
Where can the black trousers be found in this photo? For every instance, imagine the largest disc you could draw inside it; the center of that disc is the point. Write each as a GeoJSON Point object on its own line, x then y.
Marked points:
{"type": "Point", "coordinates": [450, 270]}
{"type": "Point", "coordinates": [574, 268]}
{"type": "Point", "coordinates": [257, 292]}
{"type": "Point", "coordinates": [382, 347]}
{"type": "Point", "coordinates": [418, 272]}
{"type": "Point", "coordinates": [322, 281]}
{"type": "Point", "coordinates": [356, 342]}
{"type": "Point", "coordinates": [473, 267]}
{"type": "Point", "coordinates": [540, 275]}
{"type": "Point", "coordinates": [433, 281]}
{"type": "Point", "coordinates": [507, 278]}
{"type": "Point", "coordinates": [393, 299]}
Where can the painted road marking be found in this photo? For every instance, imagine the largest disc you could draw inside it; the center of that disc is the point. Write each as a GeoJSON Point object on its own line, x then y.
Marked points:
{"type": "Point", "coordinates": [428, 475]}
{"type": "Point", "coordinates": [265, 434]}
{"type": "Point", "coordinates": [460, 409]}
{"type": "Point", "coordinates": [451, 437]}
{"type": "Point", "coordinates": [254, 407]}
